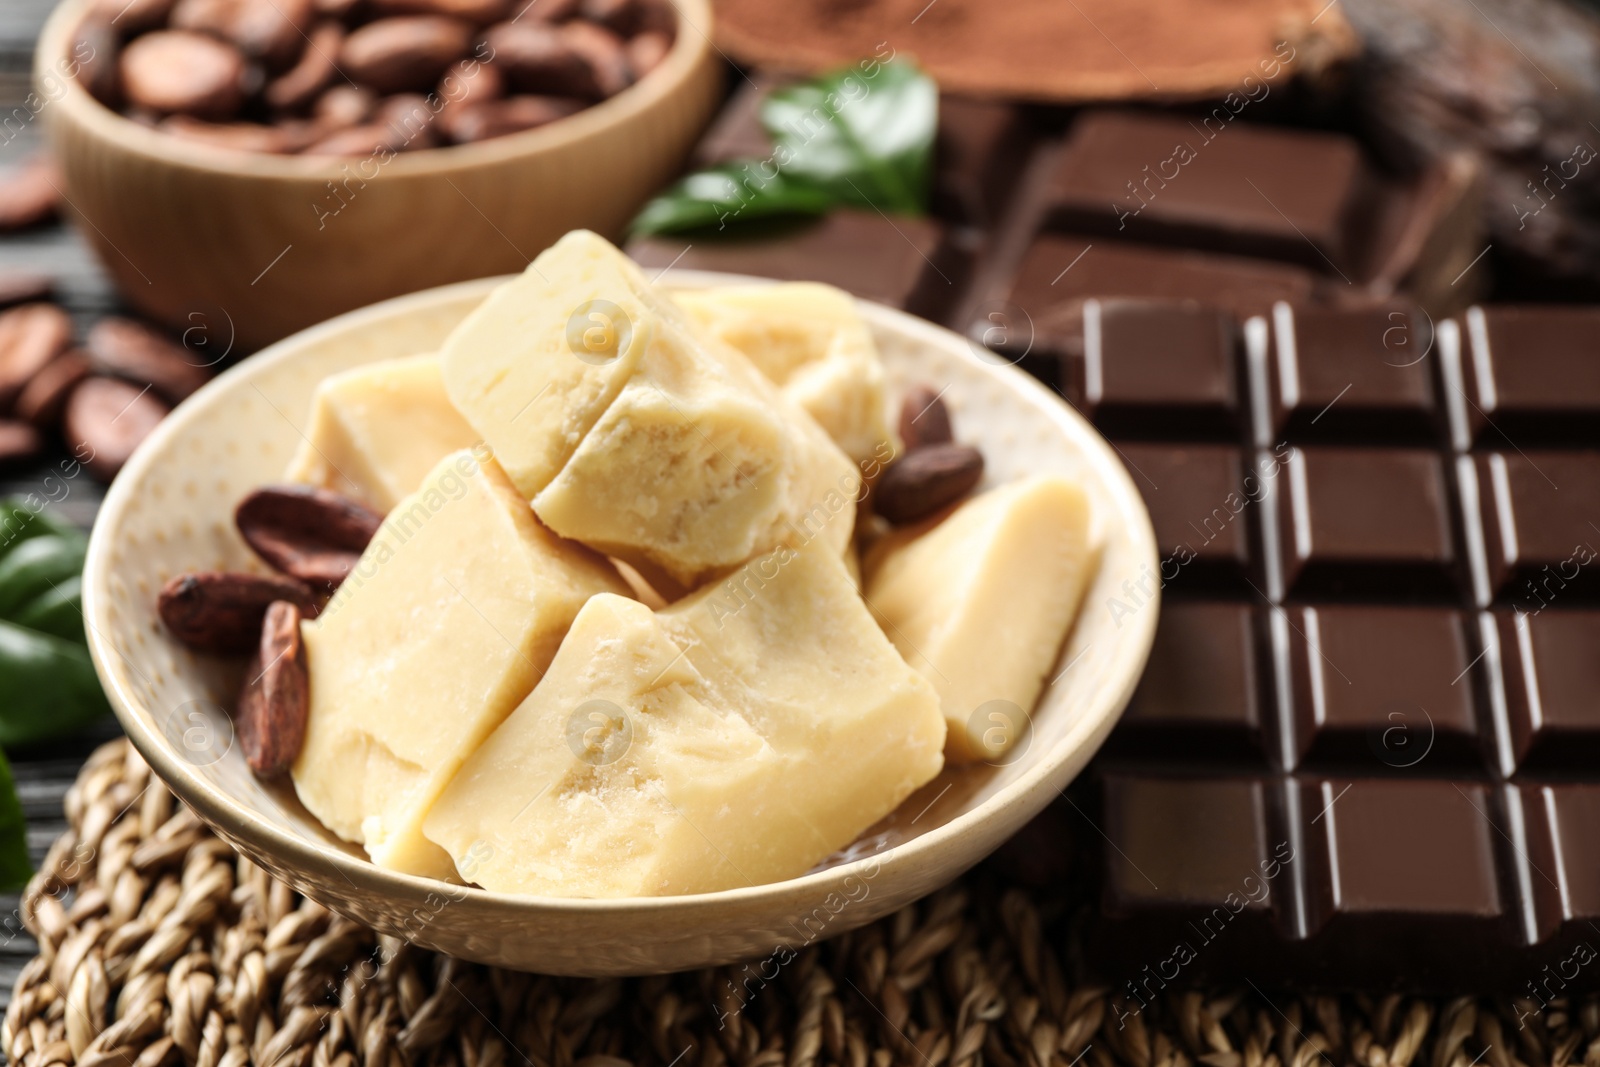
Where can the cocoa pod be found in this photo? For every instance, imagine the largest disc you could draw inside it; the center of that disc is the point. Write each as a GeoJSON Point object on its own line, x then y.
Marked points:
{"type": "Point", "coordinates": [18, 441]}
{"type": "Point", "coordinates": [480, 121]}
{"type": "Point", "coordinates": [296, 87]}
{"type": "Point", "coordinates": [924, 418]}
{"type": "Point", "coordinates": [184, 73]}
{"type": "Point", "coordinates": [270, 720]}
{"type": "Point", "coordinates": [272, 31]}
{"type": "Point", "coordinates": [404, 54]}
{"type": "Point", "coordinates": [128, 349]}
{"type": "Point", "coordinates": [29, 194]}
{"type": "Point", "coordinates": [24, 287]}
{"type": "Point", "coordinates": [105, 420]}
{"type": "Point", "coordinates": [921, 482]}
{"type": "Point", "coordinates": [41, 401]}
{"type": "Point", "coordinates": [30, 337]}
{"type": "Point", "coordinates": [221, 611]}
{"type": "Point", "coordinates": [312, 534]}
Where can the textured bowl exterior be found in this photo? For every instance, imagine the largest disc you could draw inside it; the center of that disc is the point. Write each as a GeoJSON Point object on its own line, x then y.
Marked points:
{"type": "Point", "coordinates": [170, 511]}
{"type": "Point", "coordinates": [252, 247]}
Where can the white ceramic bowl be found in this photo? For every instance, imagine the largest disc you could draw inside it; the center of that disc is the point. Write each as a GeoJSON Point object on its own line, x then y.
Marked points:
{"type": "Point", "coordinates": [171, 509]}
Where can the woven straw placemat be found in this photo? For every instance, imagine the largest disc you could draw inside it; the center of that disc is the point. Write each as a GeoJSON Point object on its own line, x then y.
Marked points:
{"type": "Point", "coordinates": [160, 946]}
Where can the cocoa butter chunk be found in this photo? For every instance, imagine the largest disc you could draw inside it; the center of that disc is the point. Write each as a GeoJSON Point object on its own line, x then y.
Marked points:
{"type": "Point", "coordinates": [632, 434]}
{"type": "Point", "coordinates": [452, 615]}
{"type": "Point", "coordinates": [921, 482]}
{"type": "Point", "coordinates": [727, 741]}
{"type": "Point", "coordinates": [221, 611]}
{"type": "Point", "coordinates": [404, 54]}
{"type": "Point", "coordinates": [1021, 553]}
{"type": "Point", "coordinates": [271, 716]}
{"type": "Point", "coordinates": [185, 73]}
{"type": "Point", "coordinates": [140, 353]}
{"type": "Point", "coordinates": [106, 419]}
{"type": "Point", "coordinates": [311, 534]}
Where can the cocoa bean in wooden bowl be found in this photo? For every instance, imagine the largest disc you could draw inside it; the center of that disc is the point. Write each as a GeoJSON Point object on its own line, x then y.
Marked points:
{"type": "Point", "coordinates": [264, 165]}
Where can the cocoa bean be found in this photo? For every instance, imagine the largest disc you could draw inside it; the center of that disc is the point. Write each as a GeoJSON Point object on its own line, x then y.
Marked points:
{"type": "Point", "coordinates": [544, 10]}
{"type": "Point", "coordinates": [128, 349]}
{"type": "Point", "coordinates": [628, 17]}
{"type": "Point", "coordinates": [181, 72]}
{"type": "Point", "coordinates": [921, 482]}
{"type": "Point", "coordinates": [481, 12]}
{"type": "Point", "coordinates": [272, 31]}
{"type": "Point", "coordinates": [24, 287]}
{"type": "Point", "coordinates": [496, 118]}
{"type": "Point", "coordinates": [343, 106]}
{"type": "Point", "coordinates": [105, 420]}
{"type": "Point", "coordinates": [406, 53]}
{"type": "Point", "coordinates": [132, 17]}
{"type": "Point", "coordinates": [470, 81]}
{"type": "Point", "coordinates": [235, 136]}
{"type": "Point", "coordinates": [29, 194]}
{"type": "Point", "coordinates": [43, 398]}
{"type": "Point", "coordinates": [221, 611]}
{"type": "Point", "coordinates": [18, 441]}
{"type": "Point", "coordinates": [336, 9]}
{"type": "Point", "coordinates": [95, 44]}
{"type": "Point", "coordinates": [312, 534]}
{"type": "Point", "coordinates": [603, 54]}
{"type": "Point", "coordinates": [356, 142]}
{"type": "Point", "coordinates": [410, 118]}
{"type": "Point", "coordinates": [924, 419]}
{"type": "Point", "coordinates": [536, 58]}
{"type": "Point", "coordinates": [646, 51]}
{"type": "Point", "coordinates": [30, 337]}
{"type": "Point", "coordinates": [299, 85]}
{"type": "Point", "coordinates": [270, 720]}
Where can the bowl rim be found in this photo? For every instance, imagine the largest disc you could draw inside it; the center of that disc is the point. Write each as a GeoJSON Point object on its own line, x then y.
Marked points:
{"type": "Point", "coordinates": [689, 53]}
{"type": "Point", "coordinates": [221, 809]}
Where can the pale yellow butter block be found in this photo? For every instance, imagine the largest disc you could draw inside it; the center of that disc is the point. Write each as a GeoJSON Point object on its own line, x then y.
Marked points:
{"type": "Point", "coordinates": [734, 739]}
{"type": "Point", "coordinates": [453, 613]}
{"type": "Point", "coordinates": [376, 431]}
{"type": "Point", "coordinates": [981, 602]}
{"type": "Point", "coordinates": [538, 362]}
{"type": "Point", "coordinates": [667, 451]}
{"type": "Point", "coordinates": [809, 339]}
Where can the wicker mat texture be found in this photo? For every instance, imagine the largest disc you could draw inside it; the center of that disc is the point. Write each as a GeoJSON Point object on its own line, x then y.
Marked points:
{"type": "Point", "coordinates": [160, 947]}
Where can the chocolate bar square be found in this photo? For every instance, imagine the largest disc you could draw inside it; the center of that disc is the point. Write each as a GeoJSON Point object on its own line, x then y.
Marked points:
{"type": "Point", "coordinates": [1540, 515]}
{"type": "Point", "coordinates": [1200, 510]}
{"type": "Point", "coordinates": [1529, 375]}
{"type": "Point", "coordinates": [1550, 661]}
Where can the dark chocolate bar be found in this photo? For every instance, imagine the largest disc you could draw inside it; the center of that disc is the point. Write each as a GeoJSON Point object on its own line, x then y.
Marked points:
{"type": "Point", "coordinates": [1371, 762]}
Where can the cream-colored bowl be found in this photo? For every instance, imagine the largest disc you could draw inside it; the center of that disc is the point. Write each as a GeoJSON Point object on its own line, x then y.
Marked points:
{"type": "Point", "coordinates": [171, 510]}
{"type": "Point", "coordinates": [247, 247]}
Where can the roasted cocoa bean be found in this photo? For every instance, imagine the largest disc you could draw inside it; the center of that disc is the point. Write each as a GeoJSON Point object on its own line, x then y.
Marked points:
{"type": "Point", "coordinates": [30, 337]}
{"type": "Point", "coordinates": [404, 54]}
{"type": "Point", "coordinates": [272, 31]}
{"type": "Point", "coordinates": [221, 611]}
{"type": "Point", "coordinates": [603, 54]}
{"type": "Point", "coordinates": [18, 441]}
{"type": "Point", "coordinates": [105, 420]}
{"type": "Point", "coordinates": [29, 194]}
{"type": "Point", "coordinates": [312, 534]}
{"type": "Point", "coordinates": [128, 349]}
{"type": "Point", "coordinates": [270, 720]}
{"type": "Point", "coordinates": [184, 73]}
{"type": "Point", "coordinates": [24, 287]}
{"type": "Point", "coordinates": [296, 87]}
{"type": "Point", "coordinates": [496, 118]}
{"type": "Point", "coordinates": [43, 398]}
{"type": "Point", "coordinates": [921, 482]}
{"type": "Point", "coordinates": [924, 418]}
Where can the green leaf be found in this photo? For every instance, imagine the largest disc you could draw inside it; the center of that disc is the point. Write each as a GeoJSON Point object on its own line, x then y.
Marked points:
{"type": "Point", "coordinates": [21, 522]}
{"type": "Point", "coordinates": [48, 687]}
{"type": "Point", "coordinates": [865, 134]}
{"type": "Point", "coordinates": [14, 865]}
{"type": "Point", "coordinates": [726, 194]}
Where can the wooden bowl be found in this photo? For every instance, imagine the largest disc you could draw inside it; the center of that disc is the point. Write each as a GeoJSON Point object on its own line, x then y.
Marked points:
{"type": "Point", "coordinates": [170, 511]}
{"type": "Point", "coordinates": [251, 247]}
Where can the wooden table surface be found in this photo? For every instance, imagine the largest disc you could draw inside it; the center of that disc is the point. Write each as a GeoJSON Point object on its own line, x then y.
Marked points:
{"type": "Point", "coordinates": [42, 776]}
